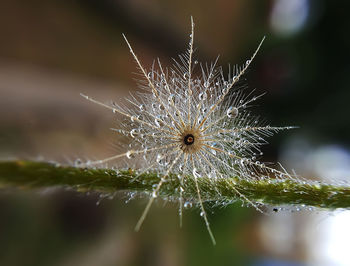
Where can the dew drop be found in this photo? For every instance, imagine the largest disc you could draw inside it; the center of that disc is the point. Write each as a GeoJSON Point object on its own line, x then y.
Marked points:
{"type": "Point", "coordinates": [158, 122]}
{"type": "Point", "coordinates": [202, 214]}
{"type": "Point", "coordinates": [187, 204]}
{"type": "Point", "coordinates": [132, 118]}
{"type": "Point", "coordinates": [202, 96]}
{"type": "Point", "coordinates": [77, 162]}
{"type": "Point", "coordinates": [196, 173]}
{"type": "Point", "coordinates": [225, 90]}
{"type": "Point", "coordinates": [232, 112]}
{"type": "Point", "coordinates": [133, 133]}
{"type": "Point", "coordinates": [130, 154]}
{"type": "Point", "coordinates": [247, 62]}
{"type": "Point", "coordinates": [195, 62]}
{"type": "Point", "coordinates": [154, 194]}
{"type": "Point", "coordinates": [171, 98]}
{"type": "Point", "coordinates": [159, 158]}
{"type": "Point", "coordinates": [142, 107]}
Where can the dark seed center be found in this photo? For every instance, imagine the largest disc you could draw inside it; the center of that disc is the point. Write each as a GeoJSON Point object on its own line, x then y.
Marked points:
{"type": "Point", "coordinates": [189, 139]}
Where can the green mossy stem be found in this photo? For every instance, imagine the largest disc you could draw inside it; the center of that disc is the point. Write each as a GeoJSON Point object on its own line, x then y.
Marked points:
{"type": "Point", "coordinates": [30, 174]}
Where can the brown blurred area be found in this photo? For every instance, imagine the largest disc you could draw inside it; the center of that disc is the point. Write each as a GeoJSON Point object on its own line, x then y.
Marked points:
{"type": "Point", "coordinates": [51, 51]}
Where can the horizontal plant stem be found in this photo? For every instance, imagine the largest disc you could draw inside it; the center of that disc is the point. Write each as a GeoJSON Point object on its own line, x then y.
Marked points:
{"type": "Point", "coordinates": [29, 174]}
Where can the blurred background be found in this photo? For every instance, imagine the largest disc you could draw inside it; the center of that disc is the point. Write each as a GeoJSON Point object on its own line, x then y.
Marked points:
{"type": "Point", "coordinates": [50, 51]}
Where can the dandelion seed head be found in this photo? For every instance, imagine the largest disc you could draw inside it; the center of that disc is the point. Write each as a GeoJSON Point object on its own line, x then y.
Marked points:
{"type": "Point", "coordinates": [191, 119]}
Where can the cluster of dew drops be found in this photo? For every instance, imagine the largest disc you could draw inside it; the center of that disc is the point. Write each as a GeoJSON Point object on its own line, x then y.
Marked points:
{"type": "Point", "coordinates": [191, 120]}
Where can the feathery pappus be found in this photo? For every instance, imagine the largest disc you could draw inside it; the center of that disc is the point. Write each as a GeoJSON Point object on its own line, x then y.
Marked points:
{"type": "Point", "coordinates": [192, 125]}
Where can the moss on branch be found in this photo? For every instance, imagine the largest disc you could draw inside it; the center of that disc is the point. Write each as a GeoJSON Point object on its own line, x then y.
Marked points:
{"type": "Point", "coordinates": [29, 174]}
